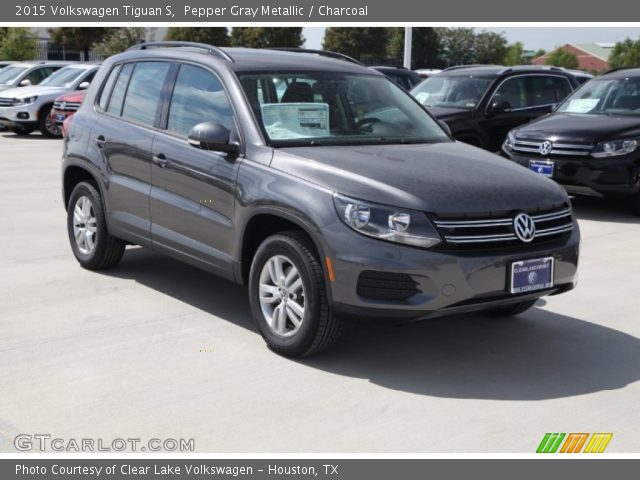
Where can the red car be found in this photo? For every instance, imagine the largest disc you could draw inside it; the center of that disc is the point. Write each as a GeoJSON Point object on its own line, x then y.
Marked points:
{"type": "Point", "coordinates": [65, 106]}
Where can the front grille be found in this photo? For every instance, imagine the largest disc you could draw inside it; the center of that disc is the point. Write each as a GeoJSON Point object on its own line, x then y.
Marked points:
{"type": "Point", "coordinates": [387, 286]}
{"type": "Point", "coordinates": [557, 149]}
{"type": "Point", "coordinates": [500, 231]}
{"type": "Point", "coordinates": [5, 102]}
{"type": "Point", "coordinates": [66, 106]}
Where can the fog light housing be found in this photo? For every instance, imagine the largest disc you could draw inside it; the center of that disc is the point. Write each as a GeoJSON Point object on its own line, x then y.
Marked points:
{"type": "Point", "coordinates": [23, 115]}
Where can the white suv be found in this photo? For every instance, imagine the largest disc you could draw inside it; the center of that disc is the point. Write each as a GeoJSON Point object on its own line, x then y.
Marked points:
{"type": "Point", "coordinates": [25, 109]}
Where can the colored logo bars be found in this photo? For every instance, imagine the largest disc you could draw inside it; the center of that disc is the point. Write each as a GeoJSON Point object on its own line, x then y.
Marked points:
{"type": "Point", "coordinates": [574, 442]}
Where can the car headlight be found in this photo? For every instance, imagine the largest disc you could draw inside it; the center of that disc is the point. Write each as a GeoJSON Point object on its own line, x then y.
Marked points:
{"type": "Point", "coordinates": [614, 148]}
{"type": "Point", "coordinates": [23, 101]}
{"type": "Point", "coordinates": [387, 223]}
{"type": "Point", "coordinates": [509, 141]}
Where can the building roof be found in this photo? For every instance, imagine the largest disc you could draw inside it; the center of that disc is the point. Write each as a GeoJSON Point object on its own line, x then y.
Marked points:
{"type": "Point", "coordinates": [600, 50]}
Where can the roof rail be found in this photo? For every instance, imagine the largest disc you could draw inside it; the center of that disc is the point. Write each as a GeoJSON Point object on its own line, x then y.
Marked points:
{"type": "Point", "coordinates": [459, 67]}
{"type": "Point", "coordinates": [617, 69]}
{"type": "Point", "coordinates": [210, 49]}
{"type": "Point", "coordinates": [320, 53]}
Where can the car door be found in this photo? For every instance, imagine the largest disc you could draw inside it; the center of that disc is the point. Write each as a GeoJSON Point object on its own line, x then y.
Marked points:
{"type": "Point", "coordinates": [496, 124]}
{"type": "Point", "coordinates": [130, 104]}
{"type": "Point", "coordinates": [193, 193]}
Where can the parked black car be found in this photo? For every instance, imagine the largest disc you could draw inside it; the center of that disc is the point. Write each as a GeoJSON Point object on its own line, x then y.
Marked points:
{"type": "Point", "coordinates": [590, 143]}
{"type": "Point", "coordinates": [404, 77]}
{"type": "Point", "coordinates": [305, 193]}
{"type": "Point", "coordinates": [482, 103]}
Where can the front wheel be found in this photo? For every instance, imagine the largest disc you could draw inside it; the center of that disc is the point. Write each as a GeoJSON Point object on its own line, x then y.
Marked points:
{"type": "Point", "coordinates": [92, 245]}
{"type": "Point", "coordinates": [47, 126]}
{"type": "Point", "coordinates": [288, 296]}
{"type": "Point", "coordinates": [21, 130]}
{"type": "Point", "coordinates": [510, 310]}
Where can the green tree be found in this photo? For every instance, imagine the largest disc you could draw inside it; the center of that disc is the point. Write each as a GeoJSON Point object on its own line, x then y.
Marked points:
{"type": "Point", "coordinates": [267, 37]}
{"type": "Point", "coordinates": [119, 39]}
{"type": "Point", "coordinates": [562, 58]}
{"type": "Point", "coordinates": [514, 55]}
{"type": "Point", "coordinates": [425, 46]}
{"type": "Point", "coordinates": [458, 45]}
{"type": "Point", "coordinates": [366, 44]}
{"type": "Point", "coordinates": [490, 47]}
{"type": "Point", "coordinates": [80, 38]}
{"type": "Point", "coordinates": [540, 52]}
{"type": "Point", "coordinates": [218, 36]}
{"type": "Point", "coordinates": [625, 54]}
{"type": "Point", "coordinates": [18, 44]}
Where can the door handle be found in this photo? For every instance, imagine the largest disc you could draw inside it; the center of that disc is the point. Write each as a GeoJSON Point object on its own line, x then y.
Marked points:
{"type": "Point", "coordinates": [160, 160]}
{"type": "Point", "coordinates": [100, 141]}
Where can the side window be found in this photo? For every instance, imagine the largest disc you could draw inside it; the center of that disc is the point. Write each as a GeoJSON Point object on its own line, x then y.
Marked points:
{"type": "Point", "coordinates": [562, 88]}
{"type": "Point", "coordinates": [38, 75]}
{"type": "Point", "coordinates": [119, 89]}
{"type": "Point", "coordinates": [108, 86]}
{"type": "Point", "coordinates": [144, 92]}
{"type": "Point", "coordinates": [543, 90]}
{"type": "Point", "coordinates": [198, 97]}
{"type": "Point", "coordinates": [513, 91]}
{"type": "Point", "coordinates": [89, 78]}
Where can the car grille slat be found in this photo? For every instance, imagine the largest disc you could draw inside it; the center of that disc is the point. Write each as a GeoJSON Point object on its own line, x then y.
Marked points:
{"type": "Point", "coordinates": [5, 102]}
{"type": "Point", "coordinates": [558, 149]}
{"type": "Point", "coordinates": [465, 233]}
{"type": "Point", "coordinates": [66, 106]}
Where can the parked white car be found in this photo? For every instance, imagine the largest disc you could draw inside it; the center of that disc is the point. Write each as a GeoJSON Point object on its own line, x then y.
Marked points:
{"type": "Point", "coordinates": [25, 109]}
{"type": "Point", "coordinates": [26, 74]}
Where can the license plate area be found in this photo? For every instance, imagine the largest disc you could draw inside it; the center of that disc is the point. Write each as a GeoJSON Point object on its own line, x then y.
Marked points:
{"type": "Point", "coordinates": [542, 167]}
{"type": "Point", "coordinates": [531, 275]}
{"type": "Point", "coordinates": [60, 117]}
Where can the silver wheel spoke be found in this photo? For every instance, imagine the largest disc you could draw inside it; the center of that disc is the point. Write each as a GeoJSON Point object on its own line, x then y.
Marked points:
{"type": "Point", "coordinates": [293, 315]}
{"type": "Point", "coordinates": [85, 225]}
{"type": "Point", "coordinates": [295, 286]}
{"type": "Point", "coordinates": [269, 293]}
{"type": "Point", "coordinates": [280, 314]}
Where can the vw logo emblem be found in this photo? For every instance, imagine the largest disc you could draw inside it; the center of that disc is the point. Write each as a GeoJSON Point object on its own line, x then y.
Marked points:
{"type": "Point", "coordinates": [532, 277]}
{"type": "Point", "coordinates": [524, 227]}
{"type": "Point", "coordinates": [545, 148]}
{"type": "Point", "coordinates": [63, 105]}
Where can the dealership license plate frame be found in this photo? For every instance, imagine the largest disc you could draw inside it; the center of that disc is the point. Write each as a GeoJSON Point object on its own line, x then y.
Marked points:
{"type": "Point", "coordinates": [546, 168]}
{"type": "Point", "coordinates": [532, 286]}
{"type": "Point", "coordinates": [60, 117]}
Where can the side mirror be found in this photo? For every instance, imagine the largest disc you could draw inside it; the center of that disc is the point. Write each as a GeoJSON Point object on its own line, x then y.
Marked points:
{"type": "Point", "coordinates": [445, 126]}
{"type": "Point", "coordinates": [212, 136]}
{"type": "Point", "coordinates": [25, 83]}
{"type": "Point", "coordinates": [84, 86]}
{"type": "Point", "coordinates": [501, 106]}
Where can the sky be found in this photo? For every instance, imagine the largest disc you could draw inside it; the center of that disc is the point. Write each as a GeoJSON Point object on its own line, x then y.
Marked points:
{"type": "Point", "coordinates": [533, 38]}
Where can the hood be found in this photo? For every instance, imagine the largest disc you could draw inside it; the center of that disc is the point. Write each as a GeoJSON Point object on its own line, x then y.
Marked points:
{"type": "Point", "coordinates": [33, 91]}
{"type": "Point", "coordinates": [443, 178]}
{"type": "Point", "coordinates": [76, 97]}
{"type": "Point", "coordinates": [442, 113]}
{"type": "Point", "coordinates": [580, 128]}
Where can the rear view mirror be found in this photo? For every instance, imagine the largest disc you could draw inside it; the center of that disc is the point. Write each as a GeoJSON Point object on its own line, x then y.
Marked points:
{"type": "Point", "coordinates": [212, 136]}
{"type": "Point", "coordinates": [501, 106]}
{"type": "Point", "coordinates": [445, 126]}
{"type": "Point", "coordinates": [83, 86]}
{"type": "Point", "coordinates": [25, 83]}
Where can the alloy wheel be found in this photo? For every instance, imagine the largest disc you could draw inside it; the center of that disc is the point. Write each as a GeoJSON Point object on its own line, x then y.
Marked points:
{"type": "Point", "coordinates": [85, 225]}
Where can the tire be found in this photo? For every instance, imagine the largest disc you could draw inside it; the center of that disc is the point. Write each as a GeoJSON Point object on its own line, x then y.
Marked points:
{"type": "Point", "coordinates": [635, 204]}
{"type": "Point", "coordinates": [47, 125]}
{"type": "Point", "coordinates": [96, 249]}
{"type": "Point", "coordinates": [317, 327]}
{"type": "Point", "coordinates": [510, 310]}
{"type": "Point", "coordinates": [21, 130]}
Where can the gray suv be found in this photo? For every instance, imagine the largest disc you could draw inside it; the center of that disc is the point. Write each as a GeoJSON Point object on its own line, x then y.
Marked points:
{"type": "Point", "coordinates": [319, 183]}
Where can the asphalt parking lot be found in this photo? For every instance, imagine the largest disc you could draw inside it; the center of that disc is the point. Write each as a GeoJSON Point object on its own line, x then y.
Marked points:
{"type": "Point", "coordinates": [156, 349]}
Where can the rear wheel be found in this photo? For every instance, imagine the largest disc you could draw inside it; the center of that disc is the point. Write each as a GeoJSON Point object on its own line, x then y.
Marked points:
{"type": "Point", "coordinates": [21, 130]}
{"type": "Point", "coordinates": [47, 126]}
{"type": "Point", "coordinates": [288, 296]}
{"type": "Point", "coordinates": [92, 245]}
{"type": "Point", "coordinates": [510, 310]}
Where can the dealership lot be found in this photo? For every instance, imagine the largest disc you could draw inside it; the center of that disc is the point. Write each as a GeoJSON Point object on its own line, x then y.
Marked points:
{"type": "Point", "coordinates": [157, 349]}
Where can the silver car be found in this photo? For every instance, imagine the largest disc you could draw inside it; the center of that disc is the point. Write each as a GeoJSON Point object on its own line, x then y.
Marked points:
{"type": "Point", "coordinates": [26, 109]}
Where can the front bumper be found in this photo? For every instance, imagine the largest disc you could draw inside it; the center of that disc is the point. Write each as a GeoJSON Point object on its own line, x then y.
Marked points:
{"type": "Point", "coordinates": [21, 115]}
{"type": "Point", "coordinates": [447, 282]}
{"type": "Point", "coordinates": [592, 176]}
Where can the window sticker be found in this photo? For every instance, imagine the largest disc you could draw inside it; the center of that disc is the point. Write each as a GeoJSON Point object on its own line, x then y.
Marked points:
{"type": "Point", "coordinates": [582, 105]}
{"type": "Point", "coordinates": [295, 120]}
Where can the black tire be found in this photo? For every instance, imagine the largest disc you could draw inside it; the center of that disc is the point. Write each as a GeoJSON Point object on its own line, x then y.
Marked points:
{"type": "Point", "coordinates": [510, 310]}
{"type": "Point", "coordinates": [319, 328]}
{"type": "Point", "coordinates": [107, 250]}
{"type": "Point", "coordinates": [47, 125]}
{"type": "Point", "coordinates": [21, 130]}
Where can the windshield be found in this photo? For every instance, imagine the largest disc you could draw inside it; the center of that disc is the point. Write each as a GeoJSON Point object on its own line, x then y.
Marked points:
{"type": "Point", "coordinates": [63, 77]}
{"type": "Point", "coordinates": [332, 108]}
{"type": "Point", "coordinates": [9, 74]}
{"type": "Point", "coordinates": [451, 91]}
{"type": "Point", "coordinates": [614, 96]}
